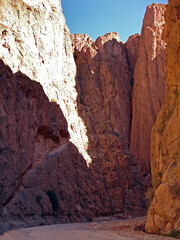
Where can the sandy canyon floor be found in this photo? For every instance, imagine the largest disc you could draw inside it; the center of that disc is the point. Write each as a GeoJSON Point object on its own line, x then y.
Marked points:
{"type": "Point", "coordinates": [100, 230]}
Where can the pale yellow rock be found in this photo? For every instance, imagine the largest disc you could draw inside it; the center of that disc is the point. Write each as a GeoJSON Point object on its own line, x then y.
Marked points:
{"type": "Point", "coordinates": [165, 138]}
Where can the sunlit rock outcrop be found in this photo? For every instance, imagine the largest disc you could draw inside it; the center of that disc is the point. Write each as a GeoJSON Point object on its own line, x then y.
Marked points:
{"type": "Point", "coordinates": [35, 41]}
{"type": "Point", "coordinates": [148, 88]}
{"type": "Point", "coordinates": [164, 210]}
{"type": "Point", "coordinates": [35, 46]}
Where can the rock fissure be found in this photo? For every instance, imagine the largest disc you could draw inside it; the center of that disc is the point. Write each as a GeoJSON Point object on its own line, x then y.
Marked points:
{"type": "Point", "coordinates": [20, 184]}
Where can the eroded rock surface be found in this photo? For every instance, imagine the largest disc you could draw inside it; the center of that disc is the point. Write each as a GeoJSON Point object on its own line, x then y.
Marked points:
{"type": "Point", "coordinates": [104, 87]}
{"type": "Point", "coordinates": [103, 83]}
{"type": "Point", "coordinates": [45, 179]}
{"type": "Point", "coordinates": [36, 42]}
{"type": "Point", "coordinates": [164, 210]}
{"type": "Point", "coordinates": [148, 88]}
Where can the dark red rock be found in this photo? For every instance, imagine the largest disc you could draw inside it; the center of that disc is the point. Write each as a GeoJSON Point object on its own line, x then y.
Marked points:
{"type": "Point", "coordinates": [44, 178]}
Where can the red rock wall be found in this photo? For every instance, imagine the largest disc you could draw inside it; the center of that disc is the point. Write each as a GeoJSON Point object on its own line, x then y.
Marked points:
{"type": "Point", "coordinates": [48, 178]}
{"type": "Point", "coordinates": [164, 210]}
{"type": "Point", "coordinates": [106, 71]}
{"type": "Point", "coordinates": [44, 177]}
{"type": "Point", "coordinates": [104, 86]}
{"type": "Point", "coordinates": [148, 88]}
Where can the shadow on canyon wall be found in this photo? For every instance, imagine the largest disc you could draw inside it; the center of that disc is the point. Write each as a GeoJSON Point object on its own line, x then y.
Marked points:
{"type": "Point", "coordinates": [44, 179]}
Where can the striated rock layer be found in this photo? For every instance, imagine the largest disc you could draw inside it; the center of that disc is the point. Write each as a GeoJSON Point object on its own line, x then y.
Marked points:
{"type": "Point", "coordinates": [164, 210]}
{"type": "Point", "coordinates": [149, 80]}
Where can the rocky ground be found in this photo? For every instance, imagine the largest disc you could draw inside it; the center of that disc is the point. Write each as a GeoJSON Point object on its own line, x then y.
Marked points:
{"type": "Point", "coordinates": [101, 230]}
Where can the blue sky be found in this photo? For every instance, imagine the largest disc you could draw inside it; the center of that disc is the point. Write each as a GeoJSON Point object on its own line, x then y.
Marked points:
{"type": "Point", "coordinates": [98, 17]}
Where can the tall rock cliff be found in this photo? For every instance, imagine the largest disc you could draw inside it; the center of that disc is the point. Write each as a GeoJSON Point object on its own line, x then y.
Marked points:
{"type": "Point", "coordinates": [65, 132]}
{"type": "Point", "coordinates": [104, 87]}
{"type": "Point", "coordinates": [148, 88]}
{"type": "Point", "coordinates": [38, 163]}
{"type": "Point", "coordinates": [107, 73]}
{"type": "Point", "coordinates": [36, 42]}
{"type": "Point", "coordinates": [103, 83]}
{"type": "Point", "coordinates": [164, 210]}
{"type": "Point", "coordinates": [44, 178]}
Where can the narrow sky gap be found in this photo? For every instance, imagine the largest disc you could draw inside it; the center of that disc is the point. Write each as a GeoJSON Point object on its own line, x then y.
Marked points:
{"type": "Point", "coordinates": [97, 18]}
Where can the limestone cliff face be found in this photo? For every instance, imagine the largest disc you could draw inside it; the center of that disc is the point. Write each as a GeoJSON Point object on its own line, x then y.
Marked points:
{"type": "Point", "coordinates": [148, 88]}
{"type": "Point", "coordinates": [36, 42]}
{"type": "Point", "coordinates": [164, 210]}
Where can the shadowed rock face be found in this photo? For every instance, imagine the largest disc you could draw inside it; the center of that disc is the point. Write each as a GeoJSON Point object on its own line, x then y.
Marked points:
{"type": "Point", "coordinates": [164, 210]}
{"type": "Point", "coordinates": [148, 88]}
{"type": "Point", "coordinates": [103, 83]}
{"type": "Point", "coordinates": [44, 177]}
{"type": "Point", "coordinates": [132, 46]}
{"type": "Point", "coordinates": [104, 86]}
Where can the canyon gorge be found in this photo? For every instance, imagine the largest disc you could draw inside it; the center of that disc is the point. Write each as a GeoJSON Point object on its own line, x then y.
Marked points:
{"type": "Point", "coordinates": [76, 117]}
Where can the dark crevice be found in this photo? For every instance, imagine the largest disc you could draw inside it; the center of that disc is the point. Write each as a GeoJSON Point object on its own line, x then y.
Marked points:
{"type": "Point", "coordinates": [20, 184]}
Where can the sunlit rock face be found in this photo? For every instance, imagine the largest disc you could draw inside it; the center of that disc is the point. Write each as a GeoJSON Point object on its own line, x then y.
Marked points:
{"type": "Point", "coordinates": [35, 41]}
{"type": "Point", "coordinates": [149, 81]}
{"type": "Point", "coordinates": [163, 213]}
{"type": "Point", "coordinates": [35, 44]}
